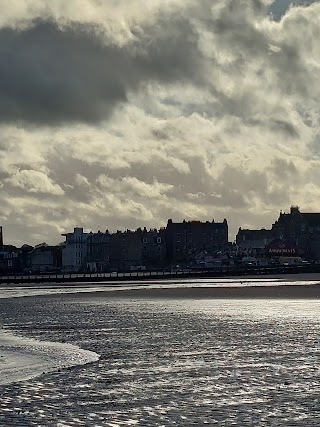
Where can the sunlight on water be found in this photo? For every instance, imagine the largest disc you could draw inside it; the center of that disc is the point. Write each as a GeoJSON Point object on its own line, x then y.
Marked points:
{"type": "Point", "coordinates": [24, 358]}
{"type": "Point", "coordinates": [49, 289]}
{"type": "Point", "coordinates": [261, 308]}
{"type": "Point", "coordinates": [169, 362]}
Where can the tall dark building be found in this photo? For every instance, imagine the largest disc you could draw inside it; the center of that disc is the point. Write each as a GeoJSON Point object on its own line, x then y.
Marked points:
{"type": "Point", "coordinates": [303, 229]}
{"type": "Point", "coordinates": [153, 247]}
{"type": "Point", "coordinates": [98, 251]}
{"type": "Point", "coordinates": [187, 239]}
{"type": "Point", "coordinates": [125, 250]}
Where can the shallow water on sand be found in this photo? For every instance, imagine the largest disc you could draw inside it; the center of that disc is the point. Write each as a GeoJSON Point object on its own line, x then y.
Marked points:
{"type": "Point", "coordinates": [11, 291]}
{"type": "Point", "coordinates": [24, 358]}
{"type": "Point", "coordinates": [169, 362]}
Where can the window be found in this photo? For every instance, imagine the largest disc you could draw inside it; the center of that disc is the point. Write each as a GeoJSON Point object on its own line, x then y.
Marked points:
{"type": "Point", "coordinates": [159, 240]}
{"type": "Point", "coordinates": [145, 240]}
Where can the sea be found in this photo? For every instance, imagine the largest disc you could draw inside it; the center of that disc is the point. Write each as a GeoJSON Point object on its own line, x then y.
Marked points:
{"type": "Point", "coordinates": [74, 356]}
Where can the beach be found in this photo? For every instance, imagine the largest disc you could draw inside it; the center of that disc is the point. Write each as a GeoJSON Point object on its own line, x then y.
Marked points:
{"type": "Point", "coordinates": [294, 291]}
{"type": "Point", "coordinates": [297, 286]}
{"type": "Point", "coordinates": [209, 353]}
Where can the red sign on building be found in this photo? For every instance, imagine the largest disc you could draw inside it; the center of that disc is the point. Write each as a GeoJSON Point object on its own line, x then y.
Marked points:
{"type": "Point", "coordinates": [280, 247]}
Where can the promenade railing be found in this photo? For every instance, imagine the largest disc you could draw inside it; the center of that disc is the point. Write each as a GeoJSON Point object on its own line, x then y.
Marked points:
{"type": "Point", "coordinates": [216, 272]}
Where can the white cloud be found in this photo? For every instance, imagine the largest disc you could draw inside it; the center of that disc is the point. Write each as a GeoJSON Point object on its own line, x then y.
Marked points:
{"type": "Point", "coordinates": [35, 182]}
{"type": "Point", "coordinates": [237, 136]}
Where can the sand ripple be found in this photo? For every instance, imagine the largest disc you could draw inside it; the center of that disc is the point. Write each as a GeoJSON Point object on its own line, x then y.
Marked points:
{"type": "Point", "coordinates": [170, 363]}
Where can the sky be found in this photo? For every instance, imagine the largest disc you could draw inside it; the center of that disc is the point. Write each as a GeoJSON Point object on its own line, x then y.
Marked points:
{"type": "Point", "coordinates": [117, 114]}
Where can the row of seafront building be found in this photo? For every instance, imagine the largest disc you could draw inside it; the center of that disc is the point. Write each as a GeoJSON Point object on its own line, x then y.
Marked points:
{"type": "Point", "coordinates": [153, 249]}
{"type": "Point", "coordinates": [293, 238]}
{"type": "Point", "coordinates": [177, 243]}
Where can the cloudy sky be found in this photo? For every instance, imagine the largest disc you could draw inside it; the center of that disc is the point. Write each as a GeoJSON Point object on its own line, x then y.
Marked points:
{"type": "Point", "coordinates": [118, 114]}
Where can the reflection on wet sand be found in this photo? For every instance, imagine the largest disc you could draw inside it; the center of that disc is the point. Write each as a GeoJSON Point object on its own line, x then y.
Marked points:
{"type": "Point", "coordinates": [169, 362]}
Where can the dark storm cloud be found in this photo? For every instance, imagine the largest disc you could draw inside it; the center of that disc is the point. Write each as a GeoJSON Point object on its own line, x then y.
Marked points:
{"type": "Point", "coordinates": [50, 74]}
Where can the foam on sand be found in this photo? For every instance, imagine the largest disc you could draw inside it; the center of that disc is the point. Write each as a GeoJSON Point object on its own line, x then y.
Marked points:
{"type": "Point", "coordinates": [24, 358]}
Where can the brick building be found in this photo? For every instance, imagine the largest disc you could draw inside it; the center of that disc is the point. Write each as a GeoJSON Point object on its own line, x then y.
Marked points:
{"type": "Point", "coordinates": [98, 251]}
{"type": "Point", "coordinates": [303, 229]}
{"type": "Point", "coordinates": [186, 239]}
{"type": "Point", "coordinates": [154, 248]}
{"type": "Point", "coordinates": [125, 250]}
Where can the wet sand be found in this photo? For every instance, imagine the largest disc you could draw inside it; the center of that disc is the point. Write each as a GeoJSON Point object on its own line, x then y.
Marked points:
{"type": "Point", "coordinates": [298, 291]}
{"type": "Point", "coordinates": [299, 277]}
{"type": "Point", "coordinates": [294, 286]}
{"type": "Point", "coordinates": [171, 362]}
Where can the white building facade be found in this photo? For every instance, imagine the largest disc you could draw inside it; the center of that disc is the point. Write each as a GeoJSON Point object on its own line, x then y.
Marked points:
{"type": "Point", "coordinates": [74, 253]}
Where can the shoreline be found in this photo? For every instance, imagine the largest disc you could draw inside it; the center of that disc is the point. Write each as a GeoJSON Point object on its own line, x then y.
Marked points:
{"type": "Point", "coordinates": [298, 286]}
{"type": "Point", "coordinates": [253, 273]}
{"type": "Point", "coordinates": [257, 292]}
{"type": "Point", "coordinates": [23, 358]}
{"type": "Point", "coordinates": [277, 291]}
{"type": "Point", "coordinates": [77, 282]}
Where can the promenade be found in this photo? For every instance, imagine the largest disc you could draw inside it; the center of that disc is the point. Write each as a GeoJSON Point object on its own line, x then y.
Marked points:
{"type": "Point", "coordinates": [171, 274]}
